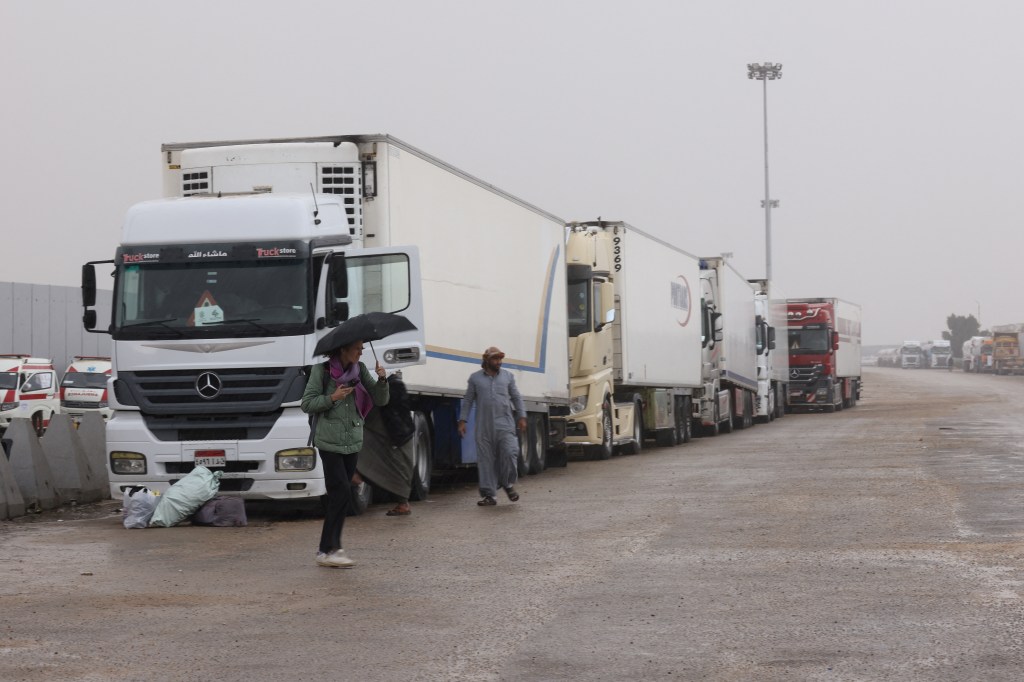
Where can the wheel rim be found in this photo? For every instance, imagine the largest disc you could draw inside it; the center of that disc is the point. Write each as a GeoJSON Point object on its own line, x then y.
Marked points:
{"type": "Point", "coordinates": [421, 459]}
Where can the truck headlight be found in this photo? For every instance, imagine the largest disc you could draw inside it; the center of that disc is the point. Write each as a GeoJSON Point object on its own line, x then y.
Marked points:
{"type": "Point", "coordinates": [127, 462]}
{"type": "Point", "coordinates": [295, 459]}
{"type": "Point", "coordinates": [578, 402]}
{"type": "Point", "coordinates": [9, 406]}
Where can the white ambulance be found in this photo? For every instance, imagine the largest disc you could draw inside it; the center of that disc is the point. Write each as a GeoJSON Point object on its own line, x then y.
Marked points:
{"type": "Point", "coordinates": [28, 390]}
{"type": "Point", "coordinates": [84, 387]}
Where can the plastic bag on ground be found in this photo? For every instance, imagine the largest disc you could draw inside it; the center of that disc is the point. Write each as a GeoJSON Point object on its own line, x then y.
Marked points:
{"type": "Point", "coordinates": [139, 504]}
{"type": "Point", "coordinates": [222, 511]}
{"type": "Point", "coordinates": [186, 496]}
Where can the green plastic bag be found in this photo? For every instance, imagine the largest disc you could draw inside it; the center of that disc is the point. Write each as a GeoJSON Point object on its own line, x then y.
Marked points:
{"type": "Point", "coordinates": [186, 496]}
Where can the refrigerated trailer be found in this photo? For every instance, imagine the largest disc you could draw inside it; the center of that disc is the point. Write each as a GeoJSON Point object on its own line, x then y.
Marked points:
{"type": "Point", "coordinates": [634, 338]}
{"type": "Point", "coordinates": [311, 231]}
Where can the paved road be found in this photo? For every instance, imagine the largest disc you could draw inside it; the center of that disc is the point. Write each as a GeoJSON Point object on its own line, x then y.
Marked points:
{"type": "Point", "coordinates": [878, 543]}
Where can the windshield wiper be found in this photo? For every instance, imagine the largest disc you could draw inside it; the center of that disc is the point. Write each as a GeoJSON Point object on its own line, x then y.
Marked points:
{"type": "Point", "coordinates": [253, 322]}
{"type": "Point", "coordinates": [162, 323]}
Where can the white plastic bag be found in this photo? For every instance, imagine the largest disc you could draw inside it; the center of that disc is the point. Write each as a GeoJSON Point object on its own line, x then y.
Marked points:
{"type": "Point", "coordinates": [138, 506]}
{"type": "Point", "coordinates": [186, 496]}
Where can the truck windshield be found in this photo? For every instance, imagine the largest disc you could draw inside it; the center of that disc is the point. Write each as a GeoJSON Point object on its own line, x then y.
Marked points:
{"type": "Point", "coordinates": [84, 380]}
{"type": "Point", "coordinates": [578, 296]}
{"type": "Point", "coordinates": [197, 300]}
{"type": "Point", "coordinates": [8, 380]}
{"type": "Point", "coordinates": [809, 341]}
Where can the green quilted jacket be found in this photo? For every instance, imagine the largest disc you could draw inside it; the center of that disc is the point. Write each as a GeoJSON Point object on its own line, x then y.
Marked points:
{"type": "Point", "coordinates": [339, 427]}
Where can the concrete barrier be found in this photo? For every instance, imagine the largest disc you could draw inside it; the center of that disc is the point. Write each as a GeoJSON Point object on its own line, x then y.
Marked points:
{"type": "Point", "coordinates": [92, 433]}
{"type": "Point", "coordinates": [31, 471]}
{"type": "Point", "coordinates": [12, 504]}
{"type": "Point", "coordinates": [73, 474]}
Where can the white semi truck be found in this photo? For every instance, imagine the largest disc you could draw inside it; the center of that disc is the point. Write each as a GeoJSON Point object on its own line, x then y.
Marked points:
{"type": "Point", "coordinates": [312, 231]}
{"type": "Point", "coordinates": [770, 313]}
{"type": "Point", "coordinates": [729, 363]}
{"type": "Point", "coordinates": [634, 338]}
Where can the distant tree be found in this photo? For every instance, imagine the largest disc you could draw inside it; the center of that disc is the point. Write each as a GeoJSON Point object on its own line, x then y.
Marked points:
{"type": "Point", "coordinates": [960, 329]}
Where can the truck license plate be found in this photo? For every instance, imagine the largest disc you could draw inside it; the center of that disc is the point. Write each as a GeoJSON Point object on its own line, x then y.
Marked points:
{"type": "Point", "coordinates": [211, 458]}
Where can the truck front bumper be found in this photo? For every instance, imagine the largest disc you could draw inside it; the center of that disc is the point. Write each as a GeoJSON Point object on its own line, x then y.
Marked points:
{"type": "Point", "coordinates": [250, 470]}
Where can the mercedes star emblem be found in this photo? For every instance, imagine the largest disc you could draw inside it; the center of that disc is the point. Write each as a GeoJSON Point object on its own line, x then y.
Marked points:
{"type": "Point", "coordinates": [794, 374]}
{"type": "Point", "coordinates": [208, 385]}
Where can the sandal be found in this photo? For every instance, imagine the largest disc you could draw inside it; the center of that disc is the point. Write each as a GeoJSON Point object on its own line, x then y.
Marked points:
{"type": "Point", "coordinates": [487, 502]}
{"type": "Point", "coordinates": [398, 512]}
{"type": "Point", "coordinates": [513, 496]}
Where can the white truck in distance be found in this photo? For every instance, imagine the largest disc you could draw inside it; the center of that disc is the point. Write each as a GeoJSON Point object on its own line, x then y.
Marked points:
{"type": "Point", "coordinates": [772, 357]}
{"type": "Point", "coordinates": [283, 222]}
{"type": "Point", "coordinates": [729, 367]}
{"type": "Point", "coordinates": [634, 338]}
{"type": "Point", "coordinates": [937, 354]}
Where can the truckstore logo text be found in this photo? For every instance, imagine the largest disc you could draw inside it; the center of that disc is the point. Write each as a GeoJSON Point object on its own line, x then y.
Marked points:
{"type": "Point", "coordinates": [139, 257]}
{"type": "Point", "coordinates": [276, 252]}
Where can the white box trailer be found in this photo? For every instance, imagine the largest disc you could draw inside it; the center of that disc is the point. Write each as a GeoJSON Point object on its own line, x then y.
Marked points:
{"type": "Point", "coordinates": [772, 351]}
{"type": "Point", "coordinates": [635, 338]}
{"type": "Point", "coordinates": [730, 354]}
{"type": "Point", "coordinates": [492, 265]}
{"type": "Point", "coordinates": [472, 265]}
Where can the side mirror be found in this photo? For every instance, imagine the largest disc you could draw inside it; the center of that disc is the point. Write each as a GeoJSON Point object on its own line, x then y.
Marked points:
{"type": "Point", "coordinates": [339, 277]}
{"type": "Point", "coordinates": [771, 338]}
{"type": "Point", "coordinates": [340, 311]}
{"type": "Point", "coordinates": [716, 319]}
{"type": "Point", "coordinates": [835, 340]}
{"type": "Point", "coordinates": [89, 319]}
{"type": "Point", "coordinates": [89, 287]}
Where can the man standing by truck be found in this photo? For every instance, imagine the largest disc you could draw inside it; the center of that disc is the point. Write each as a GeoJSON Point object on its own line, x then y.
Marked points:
{"type": "Point", "coordinates": [494, 392]}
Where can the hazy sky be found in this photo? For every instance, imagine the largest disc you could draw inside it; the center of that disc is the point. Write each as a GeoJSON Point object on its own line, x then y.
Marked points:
{"type": "Point", "coordinates": [895, 133]}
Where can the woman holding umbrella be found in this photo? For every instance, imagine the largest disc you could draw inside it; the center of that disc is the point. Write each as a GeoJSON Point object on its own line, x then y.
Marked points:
{"type": "Point", "coordinates": [340, 400]}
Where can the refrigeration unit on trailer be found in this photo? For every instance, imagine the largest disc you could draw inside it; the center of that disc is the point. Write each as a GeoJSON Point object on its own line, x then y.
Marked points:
{"type": "Point", "coordinates": [729, 362]}
{"type": "Point", "coordinates": [634, 338]}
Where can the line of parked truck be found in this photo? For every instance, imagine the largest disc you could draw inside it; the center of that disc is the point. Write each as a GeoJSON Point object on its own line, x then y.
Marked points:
{"type": "Point", "coordinates": [997, 353]}
{"type": "Point", "coordinates": [617, 339]}
{"type": "Point", "coordinates": [937, 354]}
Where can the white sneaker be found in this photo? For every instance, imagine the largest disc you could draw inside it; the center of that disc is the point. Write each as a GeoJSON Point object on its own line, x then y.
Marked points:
{"type": "Point", "coordinates": [335, 559]}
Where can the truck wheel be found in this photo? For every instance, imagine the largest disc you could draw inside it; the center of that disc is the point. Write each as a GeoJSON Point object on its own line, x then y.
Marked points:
{"type": "Point", "coordinates": [604, 450]}
{"type": "Point", "coordinates": [422, 460]}
{"type": "Point", "coordinates": [536, 433]}
{"type": "Point", "coordinates": [748, 416]}
{"type": "Point", "coordinates": [362, 497]}
{"type": "Point", "coordinates": [780, 401]}
{"type": "Point", "coordinates": [637, 445]}
{"type": "Point", "coordinates": [523, 461]}
{"type": "Point", "coordinates": [740, 421]}
{"type": "Point", "coordinates": [37, 423]}
{"type": "Point", "coordinates": [684, 425]}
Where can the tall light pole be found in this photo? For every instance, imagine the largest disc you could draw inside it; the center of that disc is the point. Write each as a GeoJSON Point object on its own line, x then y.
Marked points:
{"type": "Point", "coordinates": [764, 73]}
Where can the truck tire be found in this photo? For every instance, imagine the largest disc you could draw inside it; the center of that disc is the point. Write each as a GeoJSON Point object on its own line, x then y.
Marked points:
{"type": "Point", "coordinates": [684, 425]}
{"type": "Point", "coordinates": [536, 434]}
{"type": "Point", "coordinates": [604, 450]}
{"type": "Point", "coordinates": [748, 410]}
{"type": "Point", "coordinates": [780, 401]}
{"type": "Point", "coordinates": [422, 459]}
{"type": "Point", "coordinates": [362, 497]}
{"type": "Point", "coordinates": [523, 461]}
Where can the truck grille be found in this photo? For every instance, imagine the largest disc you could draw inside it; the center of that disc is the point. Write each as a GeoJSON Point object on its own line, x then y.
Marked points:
{"type": "Point", "coordinates": [804, 375]}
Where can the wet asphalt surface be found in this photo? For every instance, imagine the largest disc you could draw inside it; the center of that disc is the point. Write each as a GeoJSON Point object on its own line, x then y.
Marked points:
{"type": "Point", "coordinates": [884, 542]}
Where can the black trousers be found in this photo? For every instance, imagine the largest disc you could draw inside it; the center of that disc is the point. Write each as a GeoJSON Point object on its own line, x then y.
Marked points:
{"type": "Point", "coordinates": [338, 472]}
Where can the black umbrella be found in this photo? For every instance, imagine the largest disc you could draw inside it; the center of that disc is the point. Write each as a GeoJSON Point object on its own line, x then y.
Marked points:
{"type": "Point", "coordinates": [365, 327]}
